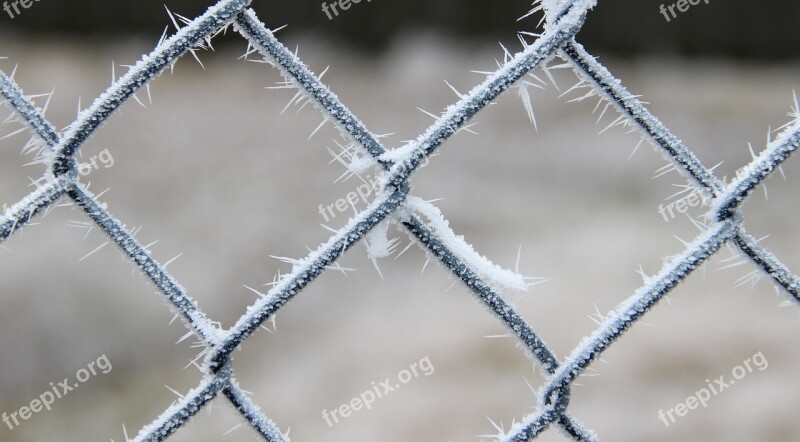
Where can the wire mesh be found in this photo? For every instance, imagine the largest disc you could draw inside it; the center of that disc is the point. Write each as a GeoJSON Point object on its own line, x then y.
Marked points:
{"type": "Point", "coordinates": [563, 21]}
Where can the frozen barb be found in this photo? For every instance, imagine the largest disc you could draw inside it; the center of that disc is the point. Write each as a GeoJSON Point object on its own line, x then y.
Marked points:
{"type": "Point", "coordinates": [499, 277]}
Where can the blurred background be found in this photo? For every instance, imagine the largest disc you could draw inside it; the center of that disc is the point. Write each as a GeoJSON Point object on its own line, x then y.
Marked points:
{"type": "Point", "coordinates": [736, 28]}
{"type": "Point", "coordinates": [225, 182]}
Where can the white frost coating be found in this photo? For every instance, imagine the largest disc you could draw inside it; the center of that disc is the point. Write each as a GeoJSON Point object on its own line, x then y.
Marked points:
{"type": "Point", "coordinates": [21, 213]}
{"type": "Point", "coordinates": [755, 172]}
{"type": "Point", "coordinates": [302, 79]}
{"type": "Point", "coordinates": [331, 250]}
{"type": "Point", "coordinates": [517, 428]}
{"type": "Point", "coordinates": [199, 395]}
{"type": "Point", "coordinates": [253, 415]}
{"type": "Point", "coordinates": [180, 302]}
{"type": "Point", "coordinates": [31, 117]}
{"type": "Point", "coordinates": [684, 161]}
{"type": "Point", "coordinates": [398, 154]}
{"type": "Point", "coordinates": [484, 267]}
{"type": "Point", "coordinates": [456, 115]}
{"type": "Point", "coordinates": [527, 101]}
{"type": "Point", "coordinates": [50, 187]}
{"type": "Point", "coordinates": [552, 7]}
{"type": "Point", "coordinates": [632, 110]}
{"type": "Point", "coordinates": [360, 164]}
{"type": "Point", "coordinates": [378, 243]}
{"type": "Point", "coordinates": [148, 67]}
{"type": "Point", "coordinates": [629, 310]}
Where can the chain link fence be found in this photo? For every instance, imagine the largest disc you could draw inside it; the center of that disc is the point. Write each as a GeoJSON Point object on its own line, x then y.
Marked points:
{"type": "Point", "coordinates": [724, 224]}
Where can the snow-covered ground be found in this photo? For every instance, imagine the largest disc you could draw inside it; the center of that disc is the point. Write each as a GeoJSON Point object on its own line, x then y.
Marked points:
{"type": "Point", "coordinates": [213, 171]}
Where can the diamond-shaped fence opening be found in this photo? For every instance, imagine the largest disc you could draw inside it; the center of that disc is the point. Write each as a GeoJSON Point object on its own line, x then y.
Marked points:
{"type": "Point", "coordinates": [393, 203]}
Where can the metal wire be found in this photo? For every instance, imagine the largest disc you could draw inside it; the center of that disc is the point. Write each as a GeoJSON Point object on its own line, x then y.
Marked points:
{"type": "Point", "coordinates": [727, 225]}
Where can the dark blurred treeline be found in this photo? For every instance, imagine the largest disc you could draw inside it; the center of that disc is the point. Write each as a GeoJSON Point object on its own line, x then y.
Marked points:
{"type": "Point", "coordinates": [764, 29]}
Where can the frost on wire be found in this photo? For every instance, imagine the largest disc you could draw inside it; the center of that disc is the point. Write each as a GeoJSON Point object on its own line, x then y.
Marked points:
{"type": "Point", "coordinates": [422, 221]}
